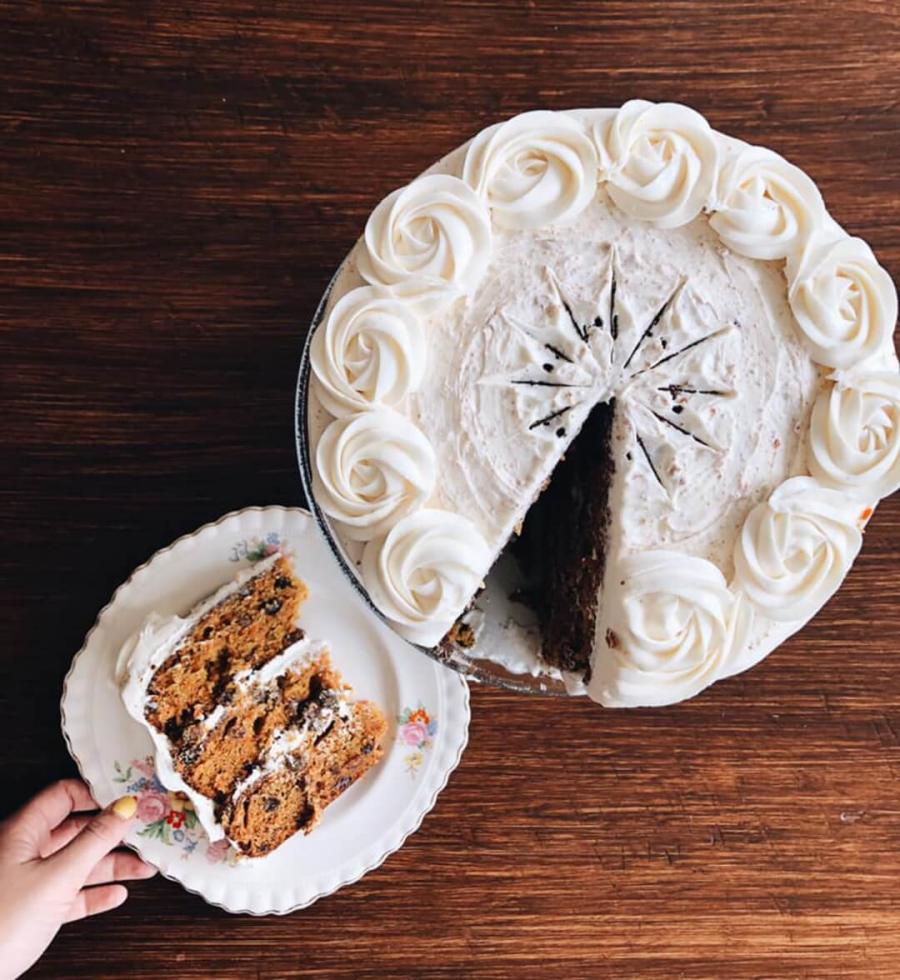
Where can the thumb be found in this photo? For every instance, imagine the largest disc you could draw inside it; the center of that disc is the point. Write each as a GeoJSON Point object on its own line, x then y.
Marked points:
{"type": "Point", "coordinates": [98, 837]}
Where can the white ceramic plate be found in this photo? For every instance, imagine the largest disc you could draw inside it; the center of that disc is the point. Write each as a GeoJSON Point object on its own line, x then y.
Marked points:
{"type": "Point", "coordinates": [427, 707]}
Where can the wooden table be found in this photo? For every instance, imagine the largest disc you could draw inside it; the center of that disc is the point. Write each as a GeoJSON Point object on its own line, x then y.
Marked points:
{"type": "Point", "coordinates": [177, 182]}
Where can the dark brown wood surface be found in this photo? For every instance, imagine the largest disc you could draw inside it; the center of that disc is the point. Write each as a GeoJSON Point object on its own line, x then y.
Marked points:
{"type": "Point", "coordinates": [177, 182]}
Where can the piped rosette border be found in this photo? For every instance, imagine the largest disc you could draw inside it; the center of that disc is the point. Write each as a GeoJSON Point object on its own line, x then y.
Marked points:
{"type": "Point", "coordinates": [427, 246]}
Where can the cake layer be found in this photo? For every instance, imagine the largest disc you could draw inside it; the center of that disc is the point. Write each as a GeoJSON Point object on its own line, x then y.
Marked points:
{"type": "Point", "coordinates": [213, 759]}
{"type": "Point", "coordinates": [291, 795]}
{"type": "Point", "coordinates": [352, 749]}
{"type": "Point", "coordinates": [266, 815]}
{"type": "Point", "coordinates": [242, 632]}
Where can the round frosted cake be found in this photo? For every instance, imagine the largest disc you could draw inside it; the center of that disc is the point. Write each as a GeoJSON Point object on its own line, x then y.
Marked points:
{"type": "Point", "coordinates": [634, 353]}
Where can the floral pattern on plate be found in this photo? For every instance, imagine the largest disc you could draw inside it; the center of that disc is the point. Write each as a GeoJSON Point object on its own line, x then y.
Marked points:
{"type": "Point", "coordinates": [168, 817]}
{"type": "Point", "coordinates": [256, 549]}
{"type": "Point", "coordinates": [417, 730]}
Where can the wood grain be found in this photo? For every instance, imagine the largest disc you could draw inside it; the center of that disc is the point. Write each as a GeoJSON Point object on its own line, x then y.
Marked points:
{"type": "Point", "coordinates": [178, 182]}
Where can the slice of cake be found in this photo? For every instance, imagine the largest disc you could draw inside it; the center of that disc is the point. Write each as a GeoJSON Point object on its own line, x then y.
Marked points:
{"type": "Point", "coordinates": [247, 714]}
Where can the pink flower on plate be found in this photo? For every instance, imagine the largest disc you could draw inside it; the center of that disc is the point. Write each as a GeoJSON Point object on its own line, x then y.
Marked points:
{"type": "Point", "coordinates": [144, 766]}
{"type": "Point", "coordinates": [152, 806]}
{"type": "Point", "coordinates": [216, 852]}
{"type": "Point", "coordinates": [272, 549]}
{"type": "Point", "coordinates": [414, 733]}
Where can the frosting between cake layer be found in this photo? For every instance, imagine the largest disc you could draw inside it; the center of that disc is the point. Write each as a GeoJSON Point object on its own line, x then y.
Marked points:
{"type": "Point", "coordinates": [285, 746]}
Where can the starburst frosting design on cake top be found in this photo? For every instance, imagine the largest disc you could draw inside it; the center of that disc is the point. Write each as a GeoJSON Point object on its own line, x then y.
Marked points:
{"type": "Point", "coordinates": [649, 366]}
{"type": "Point", "coordinates": [633, 256]}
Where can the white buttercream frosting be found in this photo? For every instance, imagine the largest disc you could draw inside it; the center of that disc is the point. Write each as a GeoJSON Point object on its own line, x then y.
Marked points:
{"type": "Point", "coordinates": [430, 241]}
{"type": "Point", "coordinates": [765, 208]}
{"type": "Point", "coordinates": [140, 656]}
{"type": "Point", "coordinates": [670, 630]}
{"type": "Point", "coordinates": [660, 161]}
{"type": "Point", "coordinates": [295, 657]}
{"type": "Point", "coordinates": [370, 351]}
{"type": "Point", "coordinates": [845, 303]}
{"type": "Point", "coordinates": [700, 284]}
{"type": "Point", "coordinates": [741, 654]}
{"type": "Point", "coordinates": [854, 441]}
{"type": "Point", "coordinates": [534, 169]}
{"type": "Point", "coordinates": [795, 549]}
{"type": "Point", "coordinates": [372, 469]}
{"type": "Point", "coordinates": [424, 572]}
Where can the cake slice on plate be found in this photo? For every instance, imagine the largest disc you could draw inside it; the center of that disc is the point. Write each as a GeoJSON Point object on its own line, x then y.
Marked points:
{"type": "Point", "coordinates": [247, 714]}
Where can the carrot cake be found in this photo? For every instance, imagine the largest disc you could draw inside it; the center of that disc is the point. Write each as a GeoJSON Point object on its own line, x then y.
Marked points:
{"type": "Point", "coordinates": [247, 714]}
{"type": "Point", "coordinates": [642, 346]}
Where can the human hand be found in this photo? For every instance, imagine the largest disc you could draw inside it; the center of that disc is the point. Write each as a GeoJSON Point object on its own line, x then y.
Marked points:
{"type": "Point", "coordinates": [57, 864]}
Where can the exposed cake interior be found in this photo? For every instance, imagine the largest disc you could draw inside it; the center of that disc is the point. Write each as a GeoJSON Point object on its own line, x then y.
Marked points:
{"type": "Point", "coordinates": [644, 363]}
{"type": "Point", "coordinates": [251, 716]}
{"type": "Point", "coordinates": [562, 543]}
{"type": "Point", "coordinates": [242, 632]}
{"type": "Point", "coordinates": [309, 744]}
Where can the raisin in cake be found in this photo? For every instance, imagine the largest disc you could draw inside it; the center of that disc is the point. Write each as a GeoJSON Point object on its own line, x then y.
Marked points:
{"type": "Point", "coordinates": [643, 347]}
{"type": "Point", "coordinates": [247, 714]}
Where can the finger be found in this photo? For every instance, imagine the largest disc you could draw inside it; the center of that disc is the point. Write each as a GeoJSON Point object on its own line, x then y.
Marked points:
{"type": "Point", "coordinates": [120, 866]}
{"type": "Point", "coordinates": [102, 833]}
{"type": "Point", "coordinates": [33, 823]}
{"type": "Point", "coordinates": [93, 901]}
{"type": "Point", "coordinates": [64, 833]}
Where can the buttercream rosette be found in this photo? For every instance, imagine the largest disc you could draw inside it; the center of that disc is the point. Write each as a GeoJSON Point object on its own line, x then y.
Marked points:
{"type": "Point", "coordinates": [844, 302]}
{"type": "Point", "coordinates": [674, 627]}
{"type": "Point", "coordinates": [372, 469]}
{"type": "Point", "coordinates": [370, 351]}
{"type": "Point", "coordinates": [854, 440]}
{"type": "Point", "coordinates": [429, 242]}
{"type": "Point", "coordinates": [794, 549]}
{"type": "Point", "coordinates": [424, 571]}
{"type": "Point", "coordinates": [537, 168]}
{"type": "Point", "coordinates": [659, 161]}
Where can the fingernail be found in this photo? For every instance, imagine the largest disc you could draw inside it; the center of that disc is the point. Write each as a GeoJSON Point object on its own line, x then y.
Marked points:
{"type": "Point", "coordinates": [125, 807]}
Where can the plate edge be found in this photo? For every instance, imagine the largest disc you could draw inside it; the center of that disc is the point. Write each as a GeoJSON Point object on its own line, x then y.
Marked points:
{"type": "Point", "coordinates": [440, 784]}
